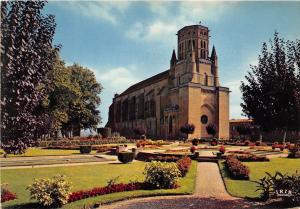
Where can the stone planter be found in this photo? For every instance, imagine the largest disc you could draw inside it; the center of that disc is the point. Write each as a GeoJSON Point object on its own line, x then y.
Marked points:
{"type": "Point", "coordinates": [219, 155]}
{"type": "Point", "coordinates": [135, 151]}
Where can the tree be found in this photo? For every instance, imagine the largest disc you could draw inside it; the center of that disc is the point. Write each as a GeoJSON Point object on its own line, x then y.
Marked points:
{"type": "Point", "coordinates": [244, 129]}
{"type": "Point", "coordinates": [61, 92]}
{"type": "Point", "coordinates": [83, 111]}
{"type": "Point", "coordinates": [187, 129]}
{"type": "Point", "coordinates": [212, 129]}
{"type": "Point", "coordinates": [271, 93]}
{"type": "Point", "coordinates": [72, 99]}
{"type": "Point", "coordinates": [27, 55]}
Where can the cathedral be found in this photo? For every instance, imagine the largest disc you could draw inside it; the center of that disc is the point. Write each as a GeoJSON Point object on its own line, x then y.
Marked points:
{"type": "Point", "coordinates": [188, 92]}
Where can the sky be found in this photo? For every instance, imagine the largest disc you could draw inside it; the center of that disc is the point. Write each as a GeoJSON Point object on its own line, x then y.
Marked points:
{"type": "Point", "coordinates": [128, 41]}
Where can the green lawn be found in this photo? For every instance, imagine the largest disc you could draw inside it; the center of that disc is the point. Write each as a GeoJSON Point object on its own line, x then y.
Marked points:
{"type": "Point", "coordinates": [46, 152]}
{"type": "Point", "coordinates": [87, 177]}
{"type": "Point", "coordinates": [243, 188]}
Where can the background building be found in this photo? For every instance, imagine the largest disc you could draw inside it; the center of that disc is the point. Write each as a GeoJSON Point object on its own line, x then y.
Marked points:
{"type": "Point", "coordinates": [189, 92]}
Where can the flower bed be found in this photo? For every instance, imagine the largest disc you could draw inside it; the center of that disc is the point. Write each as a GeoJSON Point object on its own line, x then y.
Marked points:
{"type": "Point", "coordinates": [252, 158]}
{"type": "Point", "coordinates": [6, 195]}
{"type": "Point", "coordinates": [163, 158]}
{"type": "Point", "coordinates": [236, 169]}
{"type": "Point", "coordinates": [149, 142]}
{"type": "Point", "coordinates": [83, 141]}
{"type": "Point", "coordinates": [239, 152]}
{"type": "Point", "coordinates": [184, 165]}
{"type": "Point", "coordinates": [178, 151]}
{"type": "Point", "coordinates": [75, 196]}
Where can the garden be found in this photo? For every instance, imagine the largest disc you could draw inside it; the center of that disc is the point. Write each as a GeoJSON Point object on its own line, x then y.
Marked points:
{"type": "Point", "coordinates": [139, 168]}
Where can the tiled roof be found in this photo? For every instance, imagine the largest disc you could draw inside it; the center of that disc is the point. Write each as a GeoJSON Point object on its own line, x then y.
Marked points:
{"type": "Point", "coordinates": [146, 82]}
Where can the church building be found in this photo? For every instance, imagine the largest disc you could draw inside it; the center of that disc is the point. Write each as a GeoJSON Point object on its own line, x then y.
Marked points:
{"type": "Point", "coordinates": [188, 92]}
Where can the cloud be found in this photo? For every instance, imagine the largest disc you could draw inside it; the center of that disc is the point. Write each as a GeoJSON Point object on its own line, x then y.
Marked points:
{"type": "Point", "coordinates": [235, 98]}
{"type": "Point", "coordinates": [117, 79]}
{"type": "Point", "coordinates": [109, 12]}
{"type": "Point", "coordinates": [169, 17]}
{"type": "Point", "coordinates": [114, 80]}
{"type": "Point", "coordinates": [152, 32]}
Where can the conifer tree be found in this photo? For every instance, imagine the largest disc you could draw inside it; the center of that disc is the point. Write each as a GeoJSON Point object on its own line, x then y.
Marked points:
{"type": "Point", "coordinates": [27, 55]}
{"type": "Point", "coordinates": [271, 93]}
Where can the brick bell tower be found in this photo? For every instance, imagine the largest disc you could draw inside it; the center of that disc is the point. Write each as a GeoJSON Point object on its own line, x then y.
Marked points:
{"type": "Point", "coordinates": [196, 36]}
{"type": "Point", "coordinates": [194, 72]}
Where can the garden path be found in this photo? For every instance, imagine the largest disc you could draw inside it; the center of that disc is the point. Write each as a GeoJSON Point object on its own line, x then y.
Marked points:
{"type": "Point", "coordinates": [210, 193]}
{"type": "Point", "coordinates": [209, 181]}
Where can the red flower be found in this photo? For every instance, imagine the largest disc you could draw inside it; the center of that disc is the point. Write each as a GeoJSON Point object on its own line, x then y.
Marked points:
{"type": "Point", "coordinates": [7, 195]}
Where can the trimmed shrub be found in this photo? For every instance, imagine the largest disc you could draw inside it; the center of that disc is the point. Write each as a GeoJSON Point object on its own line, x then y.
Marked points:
{"type": "Point", "coordinates": [105, 132]}
{"type": "Point", "coordinates": [125, 157]}
{"type": "Point", "coordinates": [140, 131]}
{"type": "Point", "coordinates": [214, 142]}
{"type": "Point", "coordinates": [236, 169]}
{"type": "Point", "coordinates": [252, 158]}
{"type": "Point", "coordinates": [7, 195]}
{"type": "Point", "coordinates": [54, 192]}
{"type": "Point", "coordinates": [193, 149]}
{"type": "Point", "coordinates": [294, 151]}
{"type": "Point", "coordinates": [184, 165]}
{"type": "Point", "coordinates": [195, 142]}
{"type": "Point", "coordinates": [187, 128]}
{"type": "Point", "coordinates": [212, 129]}
{"type": "Point", "coordinates": [222, 149]}
{"type": "Point", "coordinates": [85, 149]}
{"type": "Point", "coordinates": [162, 175]}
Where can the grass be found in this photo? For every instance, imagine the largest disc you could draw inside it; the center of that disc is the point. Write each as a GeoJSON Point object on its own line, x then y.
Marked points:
{"type": "Point", "coordinates": [31, 152]}
{"type": "Point", "coordinates": [243, 188]}
{"type": "Point", "coordinates": [87, 177]}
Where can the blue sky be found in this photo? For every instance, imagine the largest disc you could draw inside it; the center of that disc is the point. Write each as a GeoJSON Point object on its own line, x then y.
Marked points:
{"type": "Point", "coordinates": [125, 42]}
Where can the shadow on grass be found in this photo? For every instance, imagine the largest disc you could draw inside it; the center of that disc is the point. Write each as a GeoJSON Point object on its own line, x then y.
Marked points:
{"type": "Point", "coordinates": [28, 206]}
{"type": "Point", "coordinates": [191, 202]}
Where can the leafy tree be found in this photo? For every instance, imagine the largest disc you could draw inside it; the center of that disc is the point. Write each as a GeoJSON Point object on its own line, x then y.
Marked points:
{"type": "Point", "coordinates": [83, 111]}
{"type": "Point", "coordinates": [271, 93]}
{"type": "Point", "coordinates": [212, 129]}
{"type": "Point", "coordinates": [61, 93]}
{"type": "Point", "coordinates": [27, 55]}
{"type": "Point", "coordinates": [73, 99]}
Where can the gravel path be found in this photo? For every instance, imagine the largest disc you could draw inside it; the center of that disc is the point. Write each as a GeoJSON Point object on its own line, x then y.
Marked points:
{"type": "Point", "coordinates": [210, 193]}
{"type": "Point", "coordinates": [209, 182]}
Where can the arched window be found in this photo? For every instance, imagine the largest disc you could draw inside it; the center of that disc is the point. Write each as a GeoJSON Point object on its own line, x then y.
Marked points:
{"type": "Point", "coordinates": [170, 124]}
{"type": "Point", "coordinates": [205, 79]}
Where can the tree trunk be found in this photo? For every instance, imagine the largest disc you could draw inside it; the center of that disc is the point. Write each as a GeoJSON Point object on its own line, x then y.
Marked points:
{"type": "Point", "coordinates": [284, 136]}
{"type": "Point", "coordinates": [260, 137]}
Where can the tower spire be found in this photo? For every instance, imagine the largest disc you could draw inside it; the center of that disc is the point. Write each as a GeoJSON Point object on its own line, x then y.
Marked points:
{"type": "Point", "coordinates": [173, 59]}
{"type": "Point", "coordinates": [214, 66]}
{"type": "Point", "coordinates": [213, 53]}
